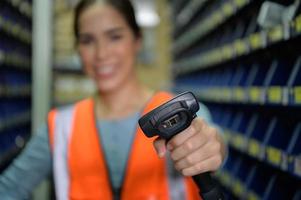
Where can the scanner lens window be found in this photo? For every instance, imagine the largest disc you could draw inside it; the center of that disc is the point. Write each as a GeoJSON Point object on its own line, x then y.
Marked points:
{"type": "Point", "coordinates": [172, 121]}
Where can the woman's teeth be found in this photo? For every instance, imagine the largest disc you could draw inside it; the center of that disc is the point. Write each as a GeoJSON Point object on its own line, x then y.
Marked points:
{"type": "Point", "coordinates": [105, 70]}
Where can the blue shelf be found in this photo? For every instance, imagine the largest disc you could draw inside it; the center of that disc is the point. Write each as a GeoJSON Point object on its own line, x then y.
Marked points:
{"type": "Point", "coordinates": [15, 77]}
{"type": "Point", "coordinates": [267, 141]}
{"type": "Point", "coordinates": [247, 179]}
{"type": "Point", "coordinates": [272, 140]}
{"type": "Point", "coordinates": [186, 14]}
{"type": "Point", "coordinates": [265, 83]}
{"type": "Point", "coordinates": [223, 11]}
{"type": "Point", "coordinates": [234, 49]}
{"type": "Point", "coordinates": [23, 7]}
{"type": "Point", "coordinates": [15, 120]}
{"type": "Point", "coordinates": [14, 24]}
{"type": "Point", "coordinates": [15, 60]}
{"type": "Point", "coordinates": [15, 83]}
{"type": "Point", "coordinates": [11, 143]}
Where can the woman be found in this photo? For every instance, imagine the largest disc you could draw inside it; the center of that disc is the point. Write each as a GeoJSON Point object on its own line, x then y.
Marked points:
{"type": "Point", "coordinates": [96, 153]}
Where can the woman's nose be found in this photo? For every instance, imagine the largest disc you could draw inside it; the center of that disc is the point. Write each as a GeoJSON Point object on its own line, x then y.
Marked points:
{"type": "Point", "coordinates": [102, 50]}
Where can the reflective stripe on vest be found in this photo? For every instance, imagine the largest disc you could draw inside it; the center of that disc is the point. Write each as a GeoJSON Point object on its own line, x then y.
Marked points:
{"type": "Point", "coordinates": [80, 170]}
{"type": "Point", "coordinates": [62, 122]}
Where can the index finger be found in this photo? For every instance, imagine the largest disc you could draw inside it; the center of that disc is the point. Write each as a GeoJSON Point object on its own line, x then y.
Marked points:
{"type": "Point", "coordinates": [196, 125]}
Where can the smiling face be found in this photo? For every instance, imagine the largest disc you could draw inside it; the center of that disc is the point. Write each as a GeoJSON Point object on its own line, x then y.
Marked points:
{"type": "Point", "coordinates": [107, 47]}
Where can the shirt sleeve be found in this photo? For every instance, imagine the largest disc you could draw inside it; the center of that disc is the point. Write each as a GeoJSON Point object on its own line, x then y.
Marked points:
{"type": "Point", "coordinates": [28, 169]}
{"type": "Point", "coordinates": [204, 113]}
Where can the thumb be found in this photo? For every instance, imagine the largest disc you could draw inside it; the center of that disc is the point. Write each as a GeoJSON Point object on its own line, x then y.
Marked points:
{"type": "Point", "coordinates": [160, 146]}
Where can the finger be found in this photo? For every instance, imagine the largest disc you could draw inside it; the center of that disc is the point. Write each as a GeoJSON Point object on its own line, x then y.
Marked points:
{"type": "Point", "coordinates": [199, 122]}
{"type": "Point", "coordinates": [196, 125]}
{"type": "Point", "coordinates": [206, 151]}
{"type": "Point", "coordinates": [191, 144]}
{"type": "Point", "coordinates": [180, 138]}
{"type": "Point", "coordinates": [160, 146]}
{"type": "Point", "coordinates": [210, 164]}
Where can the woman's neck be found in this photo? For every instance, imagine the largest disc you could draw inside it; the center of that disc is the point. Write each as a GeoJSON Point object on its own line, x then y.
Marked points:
{"type": "Point", "coordinates": [122, 102]}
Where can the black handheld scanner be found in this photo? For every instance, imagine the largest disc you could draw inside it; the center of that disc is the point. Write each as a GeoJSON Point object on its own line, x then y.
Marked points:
{"type": "Point", "coordinates": [170, 119]}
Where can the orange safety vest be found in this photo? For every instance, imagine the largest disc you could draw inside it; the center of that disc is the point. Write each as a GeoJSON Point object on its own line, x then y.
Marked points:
{"type": "Point", "coordinates": [80, 170]}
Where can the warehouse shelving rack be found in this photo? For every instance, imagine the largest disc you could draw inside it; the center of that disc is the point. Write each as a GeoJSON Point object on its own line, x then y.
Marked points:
{"type": "Point", "coordinates": [15, 77]}
{"type": "Point", "coordinates": [250, 78]}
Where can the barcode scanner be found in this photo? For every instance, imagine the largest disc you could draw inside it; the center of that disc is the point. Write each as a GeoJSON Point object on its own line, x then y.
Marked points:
{"type": "Point", "coordinates": [170, 119]}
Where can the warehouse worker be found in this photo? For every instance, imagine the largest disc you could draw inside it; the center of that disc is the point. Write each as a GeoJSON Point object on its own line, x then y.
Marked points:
{"type": "Point", "coordinates": [94, 147]}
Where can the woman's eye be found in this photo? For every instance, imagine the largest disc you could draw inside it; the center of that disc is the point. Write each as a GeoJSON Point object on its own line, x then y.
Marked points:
{"type": "Point", "coordinates": [115, 37]}
{"type": "Point", "coordinates": [85, 40]}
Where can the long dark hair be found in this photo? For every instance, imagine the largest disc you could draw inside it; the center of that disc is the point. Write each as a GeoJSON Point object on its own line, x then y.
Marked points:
{"type": "Point", "coordinates": [125, 8]}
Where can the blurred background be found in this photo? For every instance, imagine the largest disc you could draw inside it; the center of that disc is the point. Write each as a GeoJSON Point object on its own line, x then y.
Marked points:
{"type": "Point", "coordinates": [242, 58]}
